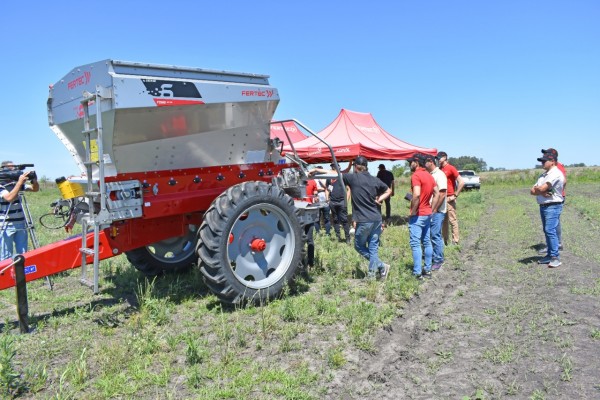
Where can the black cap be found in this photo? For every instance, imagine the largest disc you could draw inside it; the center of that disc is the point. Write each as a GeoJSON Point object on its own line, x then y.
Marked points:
{"type": "Point", "coordinates": [551, 151]}
{"type": "Point", "coordinates": [429, 157]}
{"type": "Point", "coordinates": [381, 166]}
{"type": "Point", "coordinates": [360, 160]}
{"type": "Point", "coordinates": [547, 157]}
{"type": "Point", "coordinates": [418, 157]}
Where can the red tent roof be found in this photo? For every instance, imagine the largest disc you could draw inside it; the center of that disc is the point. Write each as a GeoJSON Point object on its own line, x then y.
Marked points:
{"type": "Point", "coordinates": [292, 130]}
{"type": "Point", "coordinates": [352, 134]}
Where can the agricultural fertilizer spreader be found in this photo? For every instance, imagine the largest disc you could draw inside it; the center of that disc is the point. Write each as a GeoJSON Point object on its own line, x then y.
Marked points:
{"type": "Point", "coordinates": [178, 168]}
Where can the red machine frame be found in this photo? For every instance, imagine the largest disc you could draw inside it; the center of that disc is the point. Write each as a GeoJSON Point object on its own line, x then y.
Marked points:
{"type": "Point", "coordinates": [183, 196]}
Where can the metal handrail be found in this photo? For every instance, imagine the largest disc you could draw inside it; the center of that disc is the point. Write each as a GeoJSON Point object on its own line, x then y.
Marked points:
{"type": "Point", "coordinates": [334, 160]}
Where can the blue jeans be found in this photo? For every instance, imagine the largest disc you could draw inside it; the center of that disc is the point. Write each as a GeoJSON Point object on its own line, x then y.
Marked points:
{"type": "Point", "coordinates": [419, 227]}
{"type": "Point", "coordinates": [366, 242]}
{"type": "Point", "coordinates": [437, 240]}
{"type": "Point", "coordinates": [14, 237]}
{"type": "Point", "coordinates": [550, 220]}
{"type": "Point", "coordinates": [325, 212]}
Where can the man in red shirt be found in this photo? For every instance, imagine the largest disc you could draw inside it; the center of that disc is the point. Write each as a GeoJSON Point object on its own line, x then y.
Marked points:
{"type": "Point", "coordinates": [424, 193]}
{"type": "Point", "coordinates": [561, 168]}
{"type": "Point", "coordinates": [455, 185]}
{"type": "Point", "coordinates": [309, 229]}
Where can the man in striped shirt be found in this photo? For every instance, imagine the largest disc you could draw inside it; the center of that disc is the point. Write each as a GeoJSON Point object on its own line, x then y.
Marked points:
{"type": "Point", "coordinates": [13, 227]}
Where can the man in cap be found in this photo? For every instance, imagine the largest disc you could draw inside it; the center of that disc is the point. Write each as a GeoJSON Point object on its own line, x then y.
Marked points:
{"type": "Point", "coordinates": [561, 168]}
{"type": "Point", "coordinates": [366, 192]}
{"type": "Point", "coordinates": [13, 224]}
{"type": "Point", "coordinates": [549, 195]}
{"type": "Point", "coordinates": [438, 211]}
{"type": "Point", "coordinates": [455, 185]}
{"type": "Point", "coordinates": [388, 178]}
{"type": "Point", "coordinates": [424, 193]}
{"type": "Point", "coordinates": [309, 228]}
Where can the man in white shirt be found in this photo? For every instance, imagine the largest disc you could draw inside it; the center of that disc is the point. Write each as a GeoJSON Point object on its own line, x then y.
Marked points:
{"type": "Point", "coordinates": [549, 195]}
{"type": "Point", "coordinates": [438, 212]}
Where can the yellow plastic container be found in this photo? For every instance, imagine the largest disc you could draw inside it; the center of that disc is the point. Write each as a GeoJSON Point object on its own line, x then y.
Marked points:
{"type": "Point", "coordinates": [69, 190]}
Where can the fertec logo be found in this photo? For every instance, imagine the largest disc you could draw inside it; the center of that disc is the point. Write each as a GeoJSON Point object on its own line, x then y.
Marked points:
{"type": "Point", "coordinates": [367, 129]}
{"type": "Point", "coordinates": [80, 80]}
{"type": "Point", "coordinates": [259, 93]}
{"type": "Point", "coordinates": [288, 128]}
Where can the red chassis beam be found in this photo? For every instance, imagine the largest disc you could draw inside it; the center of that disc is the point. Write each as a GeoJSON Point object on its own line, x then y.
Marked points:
{"type": "Point", "coordinates": [121, 236]}
{"type": "Point", "coordinates": [172, 201]}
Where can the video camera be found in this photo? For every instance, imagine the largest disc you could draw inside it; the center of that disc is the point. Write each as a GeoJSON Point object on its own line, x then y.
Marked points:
{"type": "Point", "coordinates": [12, 174]}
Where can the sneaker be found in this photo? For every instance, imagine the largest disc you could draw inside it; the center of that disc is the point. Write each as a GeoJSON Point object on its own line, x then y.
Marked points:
{"type": "Point", "coordinates": [348, 240]}
{"type": "Point", "coordinates": [554, 263]}
{"type": "Point", "coordinates": [384, 271]}
{"type": "Point", "coordinates": [545, 260]}
{"type": "Point", "coordinates": [436, 267]}
{"type": "Point", "coordinates": [427, 275]}
{"type": "Point", "coordinates": [418, 277]}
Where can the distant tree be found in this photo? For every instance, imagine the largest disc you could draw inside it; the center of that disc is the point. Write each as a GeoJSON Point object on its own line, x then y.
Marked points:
{"type": "Point", "coordinates": [575, 165]}
{"type": "Point", "coordinates": [468, 162]}
{"type": "Point", "coordinates": [398, 170]}
{"type": "Point", "coordinates": [473, 167]}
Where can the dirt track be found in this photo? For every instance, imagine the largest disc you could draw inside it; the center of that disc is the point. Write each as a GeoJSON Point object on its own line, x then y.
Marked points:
{"type": "Point", "coordinates": [494, 324]}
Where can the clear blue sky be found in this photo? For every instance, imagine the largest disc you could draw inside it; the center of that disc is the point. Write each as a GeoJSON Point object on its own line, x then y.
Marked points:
{"type": "Point", "coordinates": [497, 80]}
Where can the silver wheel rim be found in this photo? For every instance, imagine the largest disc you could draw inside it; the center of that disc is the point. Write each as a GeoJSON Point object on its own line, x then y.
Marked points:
{"type": "Point", "coordinates": [175, 249]}
{"type": "Point", "coordinates": [261, 269]}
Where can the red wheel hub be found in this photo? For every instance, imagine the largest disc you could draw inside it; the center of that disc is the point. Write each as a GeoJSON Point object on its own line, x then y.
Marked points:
{"type": "Point", "coordinates": [258, 245]}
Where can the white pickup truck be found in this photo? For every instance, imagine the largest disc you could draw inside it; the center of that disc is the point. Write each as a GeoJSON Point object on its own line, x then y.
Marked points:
{"type": "Point", "coordinates": [470, 178]}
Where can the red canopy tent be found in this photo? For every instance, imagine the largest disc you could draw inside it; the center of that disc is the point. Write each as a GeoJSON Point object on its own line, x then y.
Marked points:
{"type": "Point", "coordinates": [292, 130]}
{"type": "Point", "coordinates": [352, 134]}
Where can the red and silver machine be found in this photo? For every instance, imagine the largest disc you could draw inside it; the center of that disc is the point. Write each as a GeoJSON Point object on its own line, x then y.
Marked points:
{"type": "Point", "coordinates": [178, 169]}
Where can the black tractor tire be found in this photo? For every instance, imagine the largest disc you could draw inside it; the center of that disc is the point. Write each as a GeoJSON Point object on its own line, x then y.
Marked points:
{"type": "Point", "coordinates": [170, 255]}
{"type": "Point", "coordinates": [244, 214]}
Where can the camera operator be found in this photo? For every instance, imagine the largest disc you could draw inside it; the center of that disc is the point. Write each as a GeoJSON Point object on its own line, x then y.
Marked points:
{"type": "Point", "coordinates": [13, 226]}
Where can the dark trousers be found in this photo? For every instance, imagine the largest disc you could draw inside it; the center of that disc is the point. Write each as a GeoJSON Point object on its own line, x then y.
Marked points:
{"type": "Point", "coordinates": [340, 217]}
{"type": "Point", "coordinates": [388, 208]}
{"type": "Point", "coordinates": [309, 229]}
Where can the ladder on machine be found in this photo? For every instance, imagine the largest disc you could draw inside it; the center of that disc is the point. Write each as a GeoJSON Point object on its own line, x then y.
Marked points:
{"type": "Point", "coordinates": [98, 216]}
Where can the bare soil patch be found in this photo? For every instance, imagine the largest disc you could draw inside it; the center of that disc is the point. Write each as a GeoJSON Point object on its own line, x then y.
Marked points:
{"type": "Point", "coordinates": [494, 324]}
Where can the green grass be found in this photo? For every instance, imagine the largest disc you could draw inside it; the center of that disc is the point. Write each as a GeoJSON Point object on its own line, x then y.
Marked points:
{"type": "Point", "coordinates": [167, 338]}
